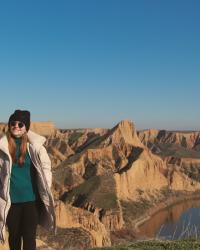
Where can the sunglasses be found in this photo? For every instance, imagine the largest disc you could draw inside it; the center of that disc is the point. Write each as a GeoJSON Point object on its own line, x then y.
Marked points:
{"type": "Point", "coordinates": [14, 123]}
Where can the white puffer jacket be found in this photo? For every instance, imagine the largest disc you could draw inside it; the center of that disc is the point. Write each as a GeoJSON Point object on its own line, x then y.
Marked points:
{"type": "Point", "coordinates": [42, 163]}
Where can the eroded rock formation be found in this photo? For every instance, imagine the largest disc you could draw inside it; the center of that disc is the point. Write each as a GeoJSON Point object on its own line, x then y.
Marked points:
{"type": "Point", "coordinates": [103, 176]}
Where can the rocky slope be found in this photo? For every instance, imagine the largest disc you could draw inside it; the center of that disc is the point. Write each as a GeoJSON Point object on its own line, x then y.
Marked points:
{"type": "Point", "coordinates": [2, 128]}
{"type": "Point", "coordinates": [188, 139]}
{"type": "Point", "coordinates": [172, 143]}
{"type": "Point", "coordinates": [43, 128]}
{"type": "Point", "coordinates": [115, 169]}
{"type": "Point", "coordinates": [180, 150]}
{"type": "Point", "coordinates": [64, 143]}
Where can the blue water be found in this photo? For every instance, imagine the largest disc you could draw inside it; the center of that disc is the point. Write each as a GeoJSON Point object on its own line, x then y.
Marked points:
{"type": "Point", "coordinates": [188, 225]}
{"type": "Point", "coordinates": [176, 222]}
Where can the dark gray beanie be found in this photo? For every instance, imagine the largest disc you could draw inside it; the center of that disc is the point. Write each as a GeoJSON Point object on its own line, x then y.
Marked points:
{"type": "Point", "coordinates": [22, 116]}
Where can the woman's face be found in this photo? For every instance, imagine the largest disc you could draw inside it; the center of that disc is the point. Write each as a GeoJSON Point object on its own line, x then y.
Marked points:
{"type": "Point", "coordinates": [17, 128]}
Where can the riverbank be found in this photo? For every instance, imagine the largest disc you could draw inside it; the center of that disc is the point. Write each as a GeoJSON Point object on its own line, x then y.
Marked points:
{"type": "Point", "coordinates": [137, 214]}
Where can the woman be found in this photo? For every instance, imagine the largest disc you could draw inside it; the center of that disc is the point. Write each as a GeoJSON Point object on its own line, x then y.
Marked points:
{"type": "Point", "coordinates": [25, 184]}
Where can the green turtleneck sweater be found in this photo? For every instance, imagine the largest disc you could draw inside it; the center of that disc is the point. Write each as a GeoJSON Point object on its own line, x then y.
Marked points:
{"type": "Point", "coordinates": [22, 186]}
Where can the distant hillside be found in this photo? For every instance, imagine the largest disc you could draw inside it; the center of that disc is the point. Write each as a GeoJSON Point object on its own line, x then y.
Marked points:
{"type": "Point", "coordinates": [168, 143]}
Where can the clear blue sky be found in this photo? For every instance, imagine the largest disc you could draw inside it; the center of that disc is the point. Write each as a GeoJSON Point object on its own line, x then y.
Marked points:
{"type": "Point", "coordinates": [92, 63]}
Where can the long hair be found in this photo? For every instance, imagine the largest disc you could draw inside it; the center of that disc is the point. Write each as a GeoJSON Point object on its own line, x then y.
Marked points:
{"type": "Point", "coordinates": [12, 148]}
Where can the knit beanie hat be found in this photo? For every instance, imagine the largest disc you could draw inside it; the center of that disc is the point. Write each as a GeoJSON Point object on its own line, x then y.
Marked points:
{"type": "Point", "coordinates": [22, 116]}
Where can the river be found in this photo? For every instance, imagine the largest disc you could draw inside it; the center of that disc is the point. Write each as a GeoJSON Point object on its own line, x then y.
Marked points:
{"type": "Point", "coordinates": [178, 221]}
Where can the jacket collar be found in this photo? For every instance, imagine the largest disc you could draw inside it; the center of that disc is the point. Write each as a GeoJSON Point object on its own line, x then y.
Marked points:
{"type": "Point", "coordinates": [35, 139]}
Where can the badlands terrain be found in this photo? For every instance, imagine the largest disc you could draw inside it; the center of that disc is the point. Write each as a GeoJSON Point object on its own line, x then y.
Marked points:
{"type": "Point", "coordinates": [105, 181]}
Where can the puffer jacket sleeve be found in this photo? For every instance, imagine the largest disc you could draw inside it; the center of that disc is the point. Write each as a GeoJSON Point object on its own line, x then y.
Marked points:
{"type": "Point", "coordinates": [46, 165]}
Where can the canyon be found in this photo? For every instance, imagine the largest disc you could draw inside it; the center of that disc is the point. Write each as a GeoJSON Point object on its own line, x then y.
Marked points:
{"type": "Point", "coordinates": [105, 179]}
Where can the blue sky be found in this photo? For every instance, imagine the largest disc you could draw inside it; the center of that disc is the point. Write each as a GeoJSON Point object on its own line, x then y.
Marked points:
{"type": "Point", "coordinates": [93, 63]}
